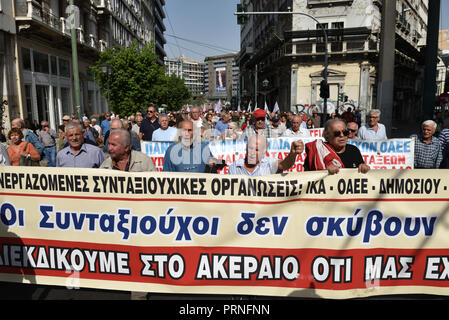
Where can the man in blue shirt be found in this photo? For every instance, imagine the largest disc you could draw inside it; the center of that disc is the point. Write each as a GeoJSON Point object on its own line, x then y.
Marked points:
{"type": "Point", "coordinates": [105, 124]}
{"type": "Point", "coordinates": [223, 124]}
{"type": "Point", "coordinates": [373, 130]}
{"type": "Point", "coordinates": [189, 154]}
{"type": "Point", "coordinates": [78, 154]}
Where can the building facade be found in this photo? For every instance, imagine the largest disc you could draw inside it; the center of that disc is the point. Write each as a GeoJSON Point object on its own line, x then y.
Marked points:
{"type": "Point", "coordinates": [282, 56]}
{"type": "Point", "coordinates": [41, 46]}
{"type": "Point", "coordinates": [191, 71]}
{"type": "Point", "coordinates": [222, 77]}
{"type": "Point", "coordinates": [8, 73]}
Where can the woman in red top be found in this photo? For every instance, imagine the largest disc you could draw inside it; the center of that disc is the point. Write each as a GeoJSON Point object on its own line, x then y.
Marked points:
{"type": "Point", "coordinates": [16, 149]}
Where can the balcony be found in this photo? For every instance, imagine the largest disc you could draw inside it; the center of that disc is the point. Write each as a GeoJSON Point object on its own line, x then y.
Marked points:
{"type": "Point", "coordinates": [328, 3]}
{"type": "Point", "coordinates": [103, 6]}
{"type": "Point", "coordinates": [305, 48]}
{"type": "Point", "coordinates": [38, 22]}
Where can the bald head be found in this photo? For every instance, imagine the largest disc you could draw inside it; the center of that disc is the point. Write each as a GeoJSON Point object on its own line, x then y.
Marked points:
{"type": "Point", "coordinates": [256, 149]}
{"type": "Point", "coordinates": [116, 124]}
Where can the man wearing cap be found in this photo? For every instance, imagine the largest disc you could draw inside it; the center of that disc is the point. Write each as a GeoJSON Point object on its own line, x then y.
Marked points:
{"type": "Point", "coordinates": [258, 128]}
{"type": "Point", "coordinates": [65, 119]}
{"type": "Point", "coordinates": [316, 119]}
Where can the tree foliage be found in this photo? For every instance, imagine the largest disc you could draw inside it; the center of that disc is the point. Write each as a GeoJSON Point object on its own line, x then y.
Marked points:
{"type": "Point", "coordinates": [131, 78]}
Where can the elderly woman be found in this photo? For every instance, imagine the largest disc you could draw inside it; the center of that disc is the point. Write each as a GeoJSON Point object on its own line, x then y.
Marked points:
{"type": "Point", "coordinates": [20, 148]}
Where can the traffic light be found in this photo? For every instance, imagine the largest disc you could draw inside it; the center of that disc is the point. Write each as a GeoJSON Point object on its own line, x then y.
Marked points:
{"type": "Point", "coordinates": [324, 89]}
{"type": "Point", "coordinates": [242, 18]}
{"type": "Point", "coordinates": [341, 96]}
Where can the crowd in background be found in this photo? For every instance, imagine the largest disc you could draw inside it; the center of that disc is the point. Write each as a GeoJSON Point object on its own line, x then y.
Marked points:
{"type": "Point", "coordinates": [35, 143]}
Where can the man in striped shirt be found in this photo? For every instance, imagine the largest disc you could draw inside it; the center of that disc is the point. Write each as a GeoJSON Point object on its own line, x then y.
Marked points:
{"type": "Point", "coordinates": [428, 149]}
{"type": "Point", "coordinates": [256, 163]}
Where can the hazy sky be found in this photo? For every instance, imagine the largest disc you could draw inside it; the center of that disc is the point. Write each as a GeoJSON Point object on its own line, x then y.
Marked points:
{"type": "Point", "coordinates": [210, 22]}
{"type": "Point", "coordinates": [211, 27]}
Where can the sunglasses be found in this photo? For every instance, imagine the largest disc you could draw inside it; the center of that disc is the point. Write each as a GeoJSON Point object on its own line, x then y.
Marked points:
{"type": "Point", "coordinates": [352, 130]}
{"type": "Point", "coordinates": [260, 119]}
{"type": "Point", "coordinates": [338, 133]}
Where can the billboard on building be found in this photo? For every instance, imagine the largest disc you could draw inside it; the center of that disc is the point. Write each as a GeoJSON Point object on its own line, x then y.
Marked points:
{"type": "Point", "coordinates": [220, 79]}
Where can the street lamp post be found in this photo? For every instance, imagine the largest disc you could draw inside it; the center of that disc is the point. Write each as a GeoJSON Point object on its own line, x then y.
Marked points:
{"type": "Point", "coordinates": [106, 69]}
{"type": "Point", "coordinates": [243, 13]}
{"type": "Point", "coordinates": [76, 81]}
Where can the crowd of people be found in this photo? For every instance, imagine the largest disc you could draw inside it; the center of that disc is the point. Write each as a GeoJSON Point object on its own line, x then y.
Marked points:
{"type": "Point", "coordinates": [115, 142]}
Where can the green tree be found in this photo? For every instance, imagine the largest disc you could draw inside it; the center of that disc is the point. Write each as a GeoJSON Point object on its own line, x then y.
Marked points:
{"type": "Point", "coordinates": [177, 94]}
{"type": "Point", "coordinates": [131, 78]}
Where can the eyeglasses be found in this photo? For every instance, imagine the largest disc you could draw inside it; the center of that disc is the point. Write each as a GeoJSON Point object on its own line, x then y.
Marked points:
{"type": "Point", "coordinates": [352, 130]}
{"type": "Point", "coordinates": [338, 133]}
{"type": "Point", "coordinates": [150, 111]}
{"type": "Point", "coordinates": [260, 119]}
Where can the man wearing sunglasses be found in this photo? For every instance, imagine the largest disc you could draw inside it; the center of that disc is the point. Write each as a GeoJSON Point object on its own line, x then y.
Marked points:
{"type": "Point", "coordinates": [149, 124]}
{"type": "Point", "coordinates": [353, 129]}
{"type": "Point", "coordinates": [334, 153]}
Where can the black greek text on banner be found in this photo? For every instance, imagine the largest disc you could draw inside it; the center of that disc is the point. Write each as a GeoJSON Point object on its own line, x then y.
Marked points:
{"type": "Point", "coordinates": [304, 234]}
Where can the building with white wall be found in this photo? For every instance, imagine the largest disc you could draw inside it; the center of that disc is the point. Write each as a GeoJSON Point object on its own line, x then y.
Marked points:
{"type": "Point", "coordinates": [287, 53]}
{"type": "Point", "coordinates": [40, 53]}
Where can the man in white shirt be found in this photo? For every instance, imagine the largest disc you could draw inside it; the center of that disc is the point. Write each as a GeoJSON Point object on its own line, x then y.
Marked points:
{"type": "Point", "coordinates": [195, 116]}
{"type": "Point", "coordinates": [296, 130]}
{"type": "Point", "coordinates": [93, 124]}
{"type": "Point", "coordinates": [164, 133]}
{"type": "Point", "coordinates": [256, 163]}
{"type": "Point", "coordinates": [373, 130]}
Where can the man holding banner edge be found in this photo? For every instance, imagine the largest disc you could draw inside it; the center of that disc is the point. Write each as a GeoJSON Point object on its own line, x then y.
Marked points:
{"type": "Point", "coordinates": [334, 153]}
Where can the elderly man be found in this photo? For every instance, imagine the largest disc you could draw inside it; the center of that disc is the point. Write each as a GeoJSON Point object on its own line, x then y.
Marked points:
{"type": "Point", "coordinates": [89, 132]}
{"type": "Point", "coordinates": [118, 124]}
{"type": "Point", "coordinates": [256, 163]}
{"type": "Point", "coordinates": [189, 154]}
{"type": "Point", "coordinates": [428, 149]}
{"type": "Point", "coordinates": [334, 154]}
{"type": "Point", "coordinates": [353, 129]}
{"type": "Point", "coordinates": [195, 116]}
{"type": "Point", "coordinates": [223, 124]}
{"type": "Point", "coordinates": [78, 154]}
{"type": "Point", "coordinates": [136, 126]}
{"type": "Point", "coordinates": [47, 137]}
{"type": "Point", "coordinates": [122, 157]}
{"type": "Point", "coordinates": [164, 133]}
{"type": "Point", "coordinates": [373, 130]}
{"type": "Point", "coordinates": [297, 130]}
{"type": "Point", "coordinates": [149, 124]}
{"type": "Point", "coordinates": [93, 124]}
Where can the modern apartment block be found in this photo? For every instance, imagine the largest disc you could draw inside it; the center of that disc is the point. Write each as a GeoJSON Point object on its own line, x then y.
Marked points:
{"type": "Point", "coordinates": [222, 77]}
{"type": "Point", "coordinates": [39, 77]}
{"type": "Point", "coordinates": [191, 71]}
{"type": "Point", "coordinates": [282, 56]}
